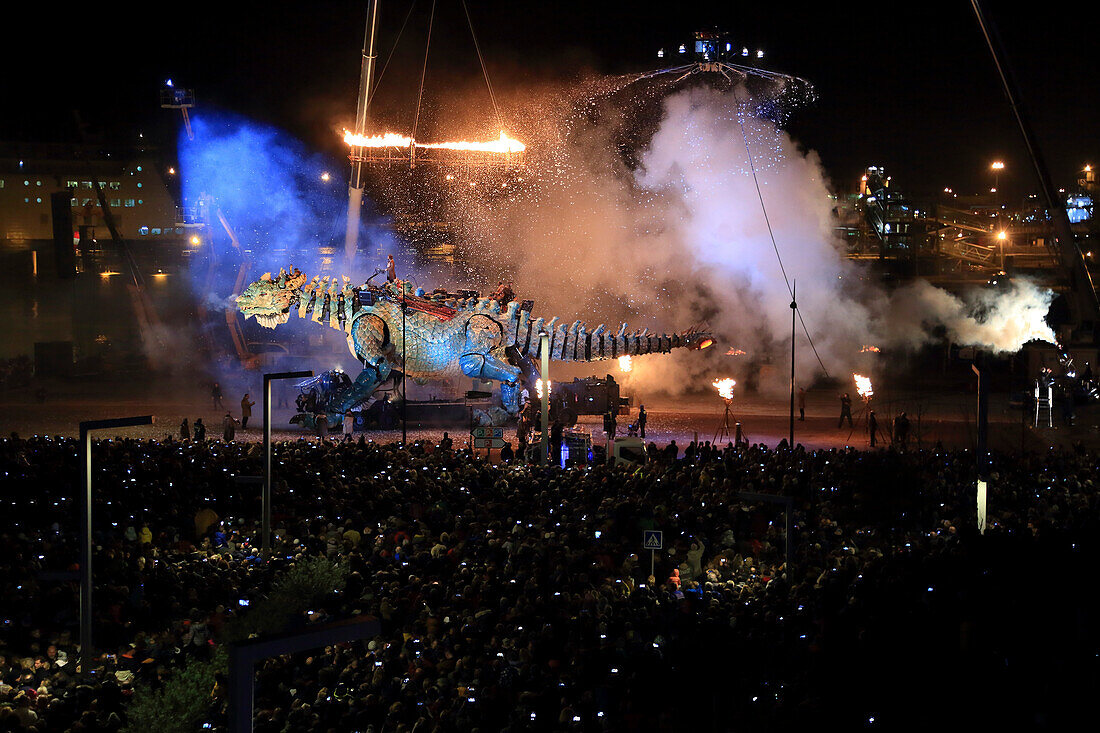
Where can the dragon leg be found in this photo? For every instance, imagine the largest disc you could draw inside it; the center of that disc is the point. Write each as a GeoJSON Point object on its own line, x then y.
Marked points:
{"type": "Point", "coordinates": [369, 379]}
{"type": "Point", "coordinates": [486, 366]}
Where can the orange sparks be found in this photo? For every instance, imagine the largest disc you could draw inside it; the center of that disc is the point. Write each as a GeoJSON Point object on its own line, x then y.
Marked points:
{"type": "Point", "coordinates": [538, 388]}
{"type": "Point", "coordinates": [863, 386]}
{"type": "Point", "coordinates": [869, 349]}
{"type": "Point", "coordinates": [724, 387]}
{"type": "Point", "coordinates": [503, 144]}
{"type": "Point", "coordinates": [736, 352]}
{"type": "Point", "coordinates": [626, 363]}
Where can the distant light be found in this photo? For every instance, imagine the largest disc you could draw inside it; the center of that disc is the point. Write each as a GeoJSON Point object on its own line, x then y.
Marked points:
{"type": "Point", "coordinates": [1088, 168]}
{"type": "Point", "coordinates": [171, 171]}
{"type": "Point", "coordinates": [683, 48]}
{"type": "Point", "coordinates": [196, 240]}
{"type": "Point", "coordinates": [1002, 235]}
{"type": "Point", "coordinates": [660, 53]}
{"type": "Point", "coordinates": [997, 165]}
{"type": "Point", "coordinates": [759, 54]}
{"type": "Point", "coordinates": [993, 190]}
{"type": "Point", "coordinates": [729, 46]}
{"type": "Point", "coordinates": [325, 176]}
{"type": "Point", "coordinates": [168, 83]}
{"type": "Point", "coordinates": [744, 52]}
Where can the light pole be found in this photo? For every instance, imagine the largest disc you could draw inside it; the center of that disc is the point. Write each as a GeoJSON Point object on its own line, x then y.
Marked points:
{"type": "Point", "coordinates": [997, 167]}
{"type": "Point", "coordinates": [266, 499]}
{"type": "Point", "coordinates": [86, 428]}
{"type": "Point", "coordinates": [794, 312]}
{"type": "Point", "coordinates": [544, 350]}
{"type": "Point", "coordinates": [404, 397]}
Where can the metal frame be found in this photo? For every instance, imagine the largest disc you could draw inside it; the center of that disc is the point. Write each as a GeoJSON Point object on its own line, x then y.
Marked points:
{"type": "Point", "coordinates": [268, 379]}
{"type": "Point", "coordinates": [87, 645]}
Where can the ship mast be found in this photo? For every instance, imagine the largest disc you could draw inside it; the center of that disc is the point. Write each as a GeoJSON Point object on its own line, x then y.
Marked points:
{"type": "Point", "coordinates": [355, 182]}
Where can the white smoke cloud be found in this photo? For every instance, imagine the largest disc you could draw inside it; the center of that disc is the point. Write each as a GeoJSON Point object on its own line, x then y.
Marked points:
{"type": "Point", "coordinates": [682, 238]}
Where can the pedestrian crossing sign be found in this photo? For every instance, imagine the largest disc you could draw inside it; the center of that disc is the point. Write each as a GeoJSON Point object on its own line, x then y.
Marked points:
{"type": "Point", "coordinates": [652, 539]}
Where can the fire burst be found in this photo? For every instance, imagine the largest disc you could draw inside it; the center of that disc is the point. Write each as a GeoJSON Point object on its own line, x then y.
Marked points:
{"type": "Point", "coordinates": [538, 388]}
{"type": "Point", "coordinates": [724, 387]}
{"type": "Point", "coordinates": [735, 352]}
{"type": "Point", "coordinates": [626, 363]}
{"type": "Point", "coordinates": [869, 349]}
{"type": "Point", "coordinates": [503, 144]}
{"type": "Point", "coordinates": [863, 386]}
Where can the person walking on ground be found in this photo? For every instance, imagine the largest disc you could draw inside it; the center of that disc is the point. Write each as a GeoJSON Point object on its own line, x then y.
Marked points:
{"type": "Point", "coordinates": [802, 404]}
{"type": "Point", "coordinates": [229, 428]}
{"type": "Point", "coordinates": [642, 417]}
{"type": "Point", "coordinates": [872, 426]}
{"type": "Point", "coordinates": [391, 270]}
{"type": "Point", "coordinates": [246, 410]}
{"type": "Point", "coordinates": [845, 410]}
{"type": "Point", "coordinates": [185, 430]}
{"type": "Point", "coordinates": [901, 430]}
{"type": "Point", "coordinates": [216, 394]}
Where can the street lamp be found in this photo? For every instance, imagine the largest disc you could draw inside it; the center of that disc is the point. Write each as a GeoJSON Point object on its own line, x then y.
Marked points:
{"type": "Point", "coordinates": [544, 351]}
{"type": "Point", "coordinates": [266, 510]}
{"type": "Point", "coordinates": [997, 167]}
{"type": "Point", "coordinates": [86, 428]}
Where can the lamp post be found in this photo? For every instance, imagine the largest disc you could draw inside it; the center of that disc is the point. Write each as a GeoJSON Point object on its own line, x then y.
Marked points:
{"type": "Point", "coordinates": [544, 350]}
{"type": "Point", "coordinates": [404, 397]}
{"type": "Point", "coordinates": [266, 499]}
{"type": "Point", "coordinates": [997, 166]}
{"type": "Point", "coordinates": [86, 428]}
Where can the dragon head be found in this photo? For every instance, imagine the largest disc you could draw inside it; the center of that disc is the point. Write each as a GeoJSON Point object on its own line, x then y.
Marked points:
{"type": "Point", "coordinates": [270, 300]}
{"type": "Point", "coordinates": [697, 338]}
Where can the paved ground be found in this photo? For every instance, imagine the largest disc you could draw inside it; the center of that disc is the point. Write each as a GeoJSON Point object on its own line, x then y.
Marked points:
{"type": "Point", "coordinates": [945, 417]}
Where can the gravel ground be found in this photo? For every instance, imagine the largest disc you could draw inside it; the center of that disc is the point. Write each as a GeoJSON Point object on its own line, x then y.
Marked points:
{"type": "Point", "coordinates": [944, 417]}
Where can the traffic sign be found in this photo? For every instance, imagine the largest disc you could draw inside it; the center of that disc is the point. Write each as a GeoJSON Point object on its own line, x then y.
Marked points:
{"type": "Point", "coordinates": [653, 539]}
{"type": "Point", "coordinates": [488, 442]}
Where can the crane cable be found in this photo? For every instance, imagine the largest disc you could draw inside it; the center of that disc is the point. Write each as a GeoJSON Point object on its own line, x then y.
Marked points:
{"type": "Point", "coordinates": [484, 69]}
{"type": "Point", "coordinates": [423, 71]}
{"type": "Point", "coordinates": [782, 269]}
{"type": "Point", "coordinates": [389, 58]}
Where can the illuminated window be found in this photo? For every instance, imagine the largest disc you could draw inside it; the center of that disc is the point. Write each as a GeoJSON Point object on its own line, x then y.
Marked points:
{"type": "Point", "coordinates": [72, 184]}
{"type": "Point", "coordinates": [113, 185]}
{"type": "Point", "coordinates": [140, 201]}
{"type": "Point", "coordinates": [26, 183]}
{"type": "Point", "coordinates": [156, 230]}
{"type": "Point", "coordinates": [143, 231]}
{"type": "Point", "coordinates": [26, 200]}
{"type": "Point", "coordinates": [139, 184]}
{"type": "Point", "coordinates": [139, 169]}
{"type": "Point", "coordinates": [38, 183]}
{"type": "Point", "coordinates": [116, 202]}
{"type": "Point", "coordinates": [74, 202]}
{"type": "Point", "coordinates": [87, 184]}
{"type": "Point", "coordinates": [129, 203]}
{"type": "Point", "coordinates": [38, 200]}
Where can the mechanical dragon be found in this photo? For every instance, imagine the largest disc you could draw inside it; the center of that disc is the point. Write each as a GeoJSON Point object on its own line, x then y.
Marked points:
{"type": "Point", "coordinates": [446, 335]}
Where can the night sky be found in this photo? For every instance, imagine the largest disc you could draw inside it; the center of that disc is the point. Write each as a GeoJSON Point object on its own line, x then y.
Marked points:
{"type": "Point", "coordinates": [909, 86]}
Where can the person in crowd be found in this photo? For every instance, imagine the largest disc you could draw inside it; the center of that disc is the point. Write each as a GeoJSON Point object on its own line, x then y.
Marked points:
{"type": "Point", "coordinates": [802, 404]}
{"type": "Point", "coordinates": [200, 430]}
{"type": "Point", "coordinates": [185, 430]}
{"type": "Point", "coordinates": [642, 418]}
{"type": "Point", "coordinates": [216, 395]}
{"type": "Point", "coordinates": [229, 428]}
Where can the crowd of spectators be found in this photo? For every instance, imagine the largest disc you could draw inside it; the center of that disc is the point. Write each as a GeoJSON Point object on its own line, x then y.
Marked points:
{"type": "Point", "coordinates": [515, 597]}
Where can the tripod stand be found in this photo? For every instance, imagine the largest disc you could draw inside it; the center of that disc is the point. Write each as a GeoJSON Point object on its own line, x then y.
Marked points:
{"type": "Point", "coordinates": [863, 417]}
{"type": "Point", "coordinates": [724, 429]}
